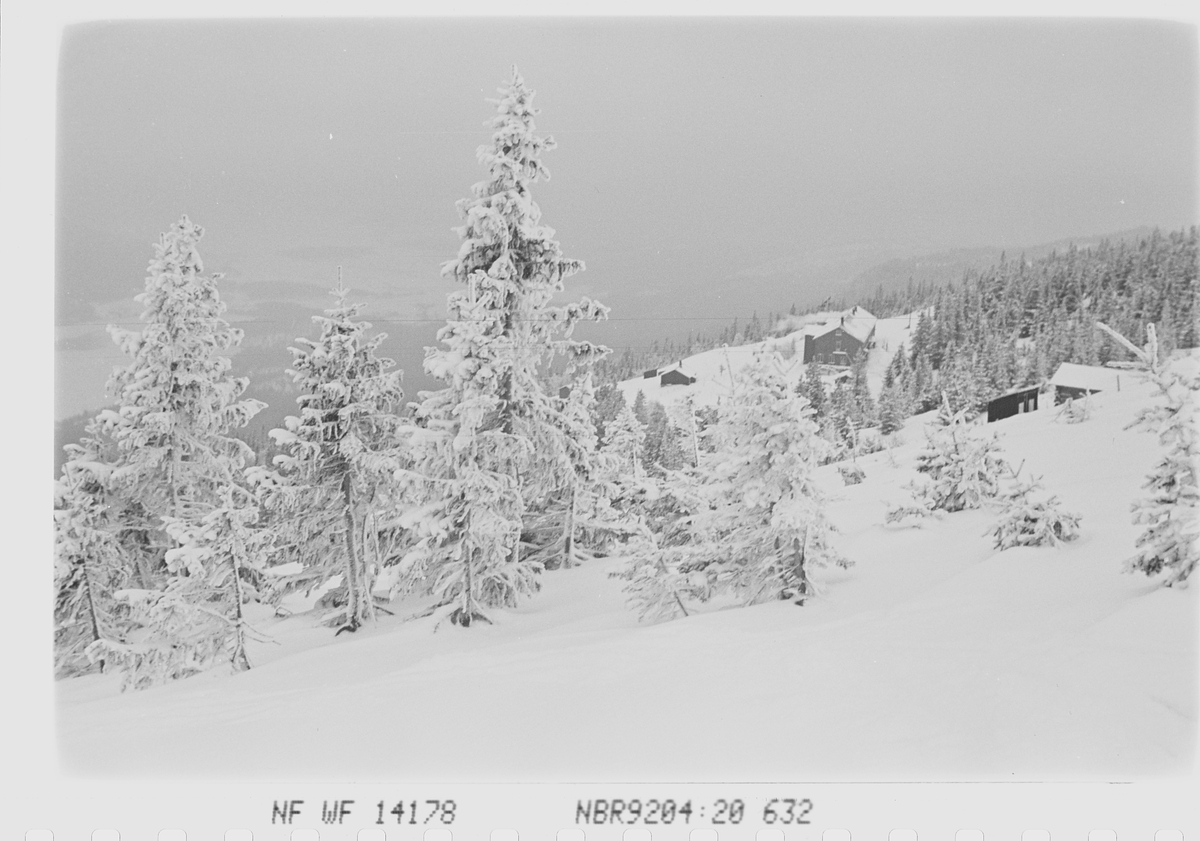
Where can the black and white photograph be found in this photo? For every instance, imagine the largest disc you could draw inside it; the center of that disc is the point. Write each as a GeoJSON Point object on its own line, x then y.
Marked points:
{"type": "Point", "coordinates": [611, 398]}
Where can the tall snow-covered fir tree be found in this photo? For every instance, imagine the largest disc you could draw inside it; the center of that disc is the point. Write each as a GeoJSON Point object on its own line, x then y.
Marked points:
{"type": "Point", "coordinates": [624, 438]}
{"type": "Point", "coordinates": [894, 399]}
{"type": "Point", "coordinates": [609, 402]}
{"type": "Point", "coordinates": [177, 401]}
{"type": "Point", "coordinates": [1170, 544]}
{"type": "Point", "coordinates": [499, 449]}
{"type": "Point", "coordinates": [663, 448]}
{"type": "Point", "coordinates": [813, 390]}
{"type": "Point", "coordinates": [161, 460]}
{"type": "Point", "coordinates": [335, 479]}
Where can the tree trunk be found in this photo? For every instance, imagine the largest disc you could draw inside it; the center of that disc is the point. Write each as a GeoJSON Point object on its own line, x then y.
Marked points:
{"type": "Point", "coordinates": [141, 540]}
{"type": "Point", "coordinates": [91, 605]}
{"type": "Point", "coordinates": [466, 612]}
{"type": "Point", "coordinates": [798, 555]}
{"type": "Point", "coordinates": [370, 538]}
{"type": "Point", "coordinates": [175, 462]}
{"type": "Point", "coordinates": [241, 662]}
{"type": "Point", "coordinates": [569, 527]}
{"type": "Point", "coordinates": [695, 433]}
{"type": "Point", "coordinates": [353, 592]}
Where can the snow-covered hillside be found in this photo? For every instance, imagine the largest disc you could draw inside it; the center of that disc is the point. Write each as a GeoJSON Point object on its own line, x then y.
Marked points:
{"type": "Point", "coordinates": [933, 657]}
{"type": "Point", "coordinates": [712, 368]}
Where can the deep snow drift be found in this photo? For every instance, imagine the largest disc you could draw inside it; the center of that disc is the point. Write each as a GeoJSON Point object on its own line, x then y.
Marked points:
{"type": "Point", "coordinates": [933, 657]}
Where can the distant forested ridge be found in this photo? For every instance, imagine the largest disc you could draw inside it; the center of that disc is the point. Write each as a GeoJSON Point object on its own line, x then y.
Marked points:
{"type": "Point", "coordinates": [1005, 325]}
{"type": "Point", "coordinates": [1013, 324]}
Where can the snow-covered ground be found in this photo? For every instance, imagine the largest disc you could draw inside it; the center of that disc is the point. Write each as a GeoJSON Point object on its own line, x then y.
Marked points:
{"type": "Point", "coordinates": [933, 657]}
{"type": "Point", "coordinates": [713, 369]}
{"type": "Point", "coordinates": [890, 335]}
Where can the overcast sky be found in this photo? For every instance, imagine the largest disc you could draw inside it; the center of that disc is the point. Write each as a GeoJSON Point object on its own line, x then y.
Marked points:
{"type": "Point", "coordinates": [705, 169]}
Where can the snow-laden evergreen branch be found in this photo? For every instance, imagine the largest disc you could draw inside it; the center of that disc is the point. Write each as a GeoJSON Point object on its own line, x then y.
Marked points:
{"type": "Point", "coordinates": [1170, 544]}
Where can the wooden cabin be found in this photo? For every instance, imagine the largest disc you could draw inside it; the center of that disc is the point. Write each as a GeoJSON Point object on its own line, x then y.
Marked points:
{"type": "Point", "coordinates": [838, 341]}
{"type": "Point", "coordinates": [1015, 402]}
{"type": "Point", "coordinates": [675, 376]}
{"type": "Point", "coordinates": [1072, 381]}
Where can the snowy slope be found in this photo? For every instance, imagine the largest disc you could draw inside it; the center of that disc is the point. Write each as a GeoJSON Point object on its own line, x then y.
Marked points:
{"type": "Point", "coordinates": [712, 368]}
{"type": "Point", "coordinates": [933, 657]}
{"type": "Point", "coordinates": [890, 335]}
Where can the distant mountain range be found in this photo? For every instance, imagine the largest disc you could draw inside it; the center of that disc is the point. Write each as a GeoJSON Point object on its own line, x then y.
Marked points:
{"type": "Point", "coordinates": [951, 265]}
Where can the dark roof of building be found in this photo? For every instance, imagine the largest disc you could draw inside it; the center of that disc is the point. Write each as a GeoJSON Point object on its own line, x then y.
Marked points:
{"type": "Point", "coordinates": [1022, 390]}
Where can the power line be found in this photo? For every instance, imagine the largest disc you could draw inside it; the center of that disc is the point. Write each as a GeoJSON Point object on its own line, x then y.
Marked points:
{"type": "Point", "coordinates": [660, 348]}
{"type": "Point", "coordinates": [443, 320]}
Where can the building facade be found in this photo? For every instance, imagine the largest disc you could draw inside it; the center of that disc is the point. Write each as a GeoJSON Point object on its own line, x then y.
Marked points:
{"type": "Point", "coordinates": [1016, 402]}
{"type": "Point", "coordinates": [837, 342]}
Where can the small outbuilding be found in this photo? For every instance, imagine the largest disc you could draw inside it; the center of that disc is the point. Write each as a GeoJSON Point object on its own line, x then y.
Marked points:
{"type": "Point", "coordinates": [1072, 381]}
{"type": "Point", "coordinates": [1015, 402]}
{"type": "Point", "coordinates": [650, 374]}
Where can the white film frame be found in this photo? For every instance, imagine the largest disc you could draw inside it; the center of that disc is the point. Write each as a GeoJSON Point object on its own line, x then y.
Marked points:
{"type": "Point", "coordinates": [37, 795]}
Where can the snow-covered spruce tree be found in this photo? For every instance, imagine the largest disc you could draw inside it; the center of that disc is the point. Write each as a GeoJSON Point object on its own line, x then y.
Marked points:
{"type": "Point", "coordinates": [609, 401]}
{"type": "Point", "coordinates": [90, 564]}
{"type": "Point", "coordinates": [339, 455]}
{"type": "Point", "coordinates": [177, 402]}
{"type": "Point", "coordinates": [894, 399]}
{"type": "Point", "coordinates": [752, 519]}
{"type": "Point", "coordinates": [865, 411]}
{"type": "Point", "coordinates": [963, 467]}
{"type": "Point", "coordinates": [682, 416]}
{"type": "Point", "coordinates": [851, 472]}
{"type": "Point", "coordinates": [893, 408]}
{"type": "Point", "coordinates": [164, 453]}
{"type": "Point", "coordinates": [197, 619]}
{"type": "Point", "coordinates": [495, 445]}
{"type": "Point", "coordinates": [1170, 544]}
{"type": "Point", "coordinates": [624, 439]}
{"type": "Point", "coordinates": [814, 391]}
{"type": "Point", "coordinates": [669, 556]}
{"type": "Point", "coordinates": [662, 449]}
{"type": "Point", "coordinates": [1031, 517]}
{"type": "Point", "coordinates": [565, 514]}
{"type": "Point", "coordinates": [659, 579]}
{"type": "Point", "coordinates": [959, 380]}
{"type": "Point", "coordinates": [628, 487]}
